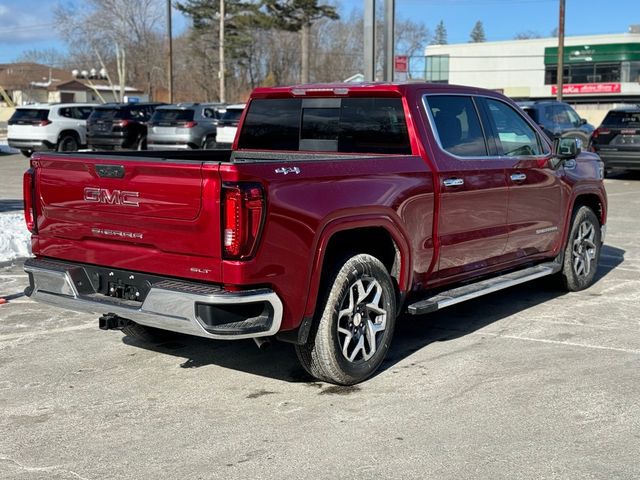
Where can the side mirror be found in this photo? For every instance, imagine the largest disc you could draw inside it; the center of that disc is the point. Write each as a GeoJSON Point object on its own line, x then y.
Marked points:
{"type": "Point", "coordinates": [583, 121]}
{"type": "Point", "coordinates": [567, 148]}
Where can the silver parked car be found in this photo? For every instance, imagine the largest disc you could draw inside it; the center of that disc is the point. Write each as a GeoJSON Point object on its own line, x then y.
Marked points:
{"type": "Point", "coordinates": [184, 126]}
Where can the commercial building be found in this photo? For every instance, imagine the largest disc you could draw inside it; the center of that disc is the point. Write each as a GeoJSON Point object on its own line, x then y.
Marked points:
{"type": "Point", "coordinates": [600, 71]}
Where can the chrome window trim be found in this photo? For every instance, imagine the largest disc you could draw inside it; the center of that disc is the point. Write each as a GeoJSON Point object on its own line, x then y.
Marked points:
{"type": "Point", "coordinates": [432, 125]}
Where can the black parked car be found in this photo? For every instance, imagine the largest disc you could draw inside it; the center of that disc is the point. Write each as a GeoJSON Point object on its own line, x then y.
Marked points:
{"type": "Point", "coordinates": [558, 119]}
{"type": "Point", "coordinates": [115, 126]}
{"type": "Point", "coordinates": [617, 139]}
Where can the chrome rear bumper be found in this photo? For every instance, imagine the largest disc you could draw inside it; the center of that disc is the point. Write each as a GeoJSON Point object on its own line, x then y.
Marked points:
{"type": "Point", "coordinates": [174, 305]}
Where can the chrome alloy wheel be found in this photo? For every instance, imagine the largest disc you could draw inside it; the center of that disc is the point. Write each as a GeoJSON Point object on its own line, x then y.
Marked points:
{"type": "Point", "coordinates": [361, 318]}
{"type": "Point", "coordinates": [584, 249]}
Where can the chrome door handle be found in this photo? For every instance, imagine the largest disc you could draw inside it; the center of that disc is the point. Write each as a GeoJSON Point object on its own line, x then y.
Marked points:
{"type": "Point", "coordinates": [518, 177]}
{"type": "Point", "coordinates": [453, 182]}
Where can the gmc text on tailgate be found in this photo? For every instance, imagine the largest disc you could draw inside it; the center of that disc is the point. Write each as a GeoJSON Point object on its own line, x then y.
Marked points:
{"type": "Point", "coordinates": [338, 208]}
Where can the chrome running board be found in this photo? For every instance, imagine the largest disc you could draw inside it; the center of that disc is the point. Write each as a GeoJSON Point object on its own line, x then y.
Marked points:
{"type": "Point", "coordinates": [483, 287]}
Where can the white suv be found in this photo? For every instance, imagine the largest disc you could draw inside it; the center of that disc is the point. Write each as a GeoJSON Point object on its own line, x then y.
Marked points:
{"type": "Point", "coordinates": [228, 125]}
{"type": "Point", "coordinates": [61, 127]}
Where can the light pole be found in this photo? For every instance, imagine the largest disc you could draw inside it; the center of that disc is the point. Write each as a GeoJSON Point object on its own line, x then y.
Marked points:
{"type": "Point", "coordinates": [560, 73]}
{"type": "Point", "coordinates": [169, 54]}
{"type": "Point", "coordinates": [221, 54]}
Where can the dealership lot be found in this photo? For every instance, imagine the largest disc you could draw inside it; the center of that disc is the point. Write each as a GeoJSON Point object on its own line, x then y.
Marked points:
{"type": "Point", "coordinates": [524, 383]}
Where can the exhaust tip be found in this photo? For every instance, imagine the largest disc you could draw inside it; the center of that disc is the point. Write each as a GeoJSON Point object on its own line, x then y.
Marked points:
{"type": "Point", "coordinates": [262, 343]}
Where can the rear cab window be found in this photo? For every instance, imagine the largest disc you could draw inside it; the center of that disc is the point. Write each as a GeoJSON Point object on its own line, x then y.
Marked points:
{"type": "Point", "coordinates": [345, 125]}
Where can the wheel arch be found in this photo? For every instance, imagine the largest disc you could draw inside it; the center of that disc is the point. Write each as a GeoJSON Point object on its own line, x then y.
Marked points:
{"type": "Point", "coordinates": [71, 132]}
{"type": "Point", "coordinates": [384, 240]}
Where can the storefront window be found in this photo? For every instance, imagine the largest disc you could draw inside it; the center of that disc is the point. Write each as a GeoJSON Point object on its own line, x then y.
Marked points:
{"type": "Point", "coordinates": [437, 69]}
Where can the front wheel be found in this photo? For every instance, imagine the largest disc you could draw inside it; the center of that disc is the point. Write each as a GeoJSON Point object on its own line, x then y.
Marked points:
{"type": "Point", "coordinates": [582, 253]}
{"type": "Point", "coordinates": [354, 328]}
{"type": "Point", "coordinates": [141, 143]}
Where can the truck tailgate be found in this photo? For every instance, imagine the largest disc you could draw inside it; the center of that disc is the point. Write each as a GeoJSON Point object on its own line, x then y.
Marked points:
{"type": "Point", "coordinates": [143, 214]}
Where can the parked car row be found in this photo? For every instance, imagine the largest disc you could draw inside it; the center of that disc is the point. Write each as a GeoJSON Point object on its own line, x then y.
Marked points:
{"type": "Point", "coordinates": [616, 140]}
{"type": "Point", "coordinates": [123, 126]}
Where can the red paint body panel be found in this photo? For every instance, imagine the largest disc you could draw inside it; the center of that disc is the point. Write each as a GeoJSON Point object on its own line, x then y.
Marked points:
{"type": "Point", "coordinates": [444, 235]}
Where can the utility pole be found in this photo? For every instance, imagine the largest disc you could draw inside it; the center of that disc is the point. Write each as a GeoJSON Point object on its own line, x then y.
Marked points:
{"type": "Point", "coordinates": [369, 40]}
{"type": "Point", "coordinates": [223, 95]}
{"type": "Point", "coordinates": [169, 54]}
{"type": "Point", "coordinates": [389, 44]}
{"type": "Point", "coordinates": [560, 84]}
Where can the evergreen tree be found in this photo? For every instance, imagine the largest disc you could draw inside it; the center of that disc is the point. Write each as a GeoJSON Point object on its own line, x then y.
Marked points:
{"type": "Point", "coordinates": [440, 36]}
{"type": "Point", "coordinates": [477, 34]}
{"type": "Point", "coordinates": [299, 16]}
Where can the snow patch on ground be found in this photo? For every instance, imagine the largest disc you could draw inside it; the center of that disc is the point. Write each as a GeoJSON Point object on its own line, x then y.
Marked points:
{"type": "Point", "coordinates": [14, 237]}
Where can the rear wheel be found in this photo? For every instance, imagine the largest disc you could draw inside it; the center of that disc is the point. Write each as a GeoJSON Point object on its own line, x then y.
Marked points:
{"type": "Point", "coordinates": [67, 143]}
{"type": "Point", "coordinates": [210, 143]}
{"type": "Point", "coordinates": [26, 153]}
{"type": "Point", "coordinates": [146, 334]}
{"type": "Point", "coordinates": [141, 143]}
{"type": "Point", "coordinates": [354, 328]}
{"type": "Point", "coordinates": [582, 253]}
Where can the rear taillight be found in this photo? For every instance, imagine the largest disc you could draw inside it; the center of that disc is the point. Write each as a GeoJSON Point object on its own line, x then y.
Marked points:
{"type": "Point", "coordinates": [600, 131]}
{"type": "Point", "coordinates": [43, 123]}
{"type": "Point", "coordinates": [122, 123]}
{"type": "Point", "coordinates": [190, 124]}
{"type": "Point", "coordinates": [28, 191]}
{"type": "Point", "coordinates": [243, 209]}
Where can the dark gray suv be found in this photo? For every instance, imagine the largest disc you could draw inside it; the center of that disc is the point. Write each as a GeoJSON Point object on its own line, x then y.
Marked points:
{"type": "Point", "coordinates": [184, 126]}
{"type": "Point", "coordinates": [558, 119]}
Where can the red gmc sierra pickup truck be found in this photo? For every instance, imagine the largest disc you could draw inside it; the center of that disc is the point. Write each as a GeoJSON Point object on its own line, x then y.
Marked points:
{"type": "Point", "coordinates": [338, 208]}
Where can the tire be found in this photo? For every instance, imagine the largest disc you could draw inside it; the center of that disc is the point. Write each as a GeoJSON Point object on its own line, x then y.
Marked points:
{"type": "Point", "coordinates": [582, 252]}
{"type": "Point", "coordinates": [146, 334]}
{"type": "Point", "coordinates": [141, 143]}
{"type": "Point", "coordinates": [209, 143]}
{"type": "Point", "coordinates": [67, 143]}
{"type": "Point", "coordinates": [26, 153]}
{"type": "Point", "coordinates": [350, 337]}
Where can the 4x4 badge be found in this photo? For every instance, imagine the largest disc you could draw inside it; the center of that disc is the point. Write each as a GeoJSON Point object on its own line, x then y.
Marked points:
{"type": "Point", "coordinates": [288, 170]}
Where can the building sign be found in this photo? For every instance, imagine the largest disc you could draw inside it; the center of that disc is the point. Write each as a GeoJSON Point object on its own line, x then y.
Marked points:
{"type": "Point", "coordinates": [401, 63]}
{"type": "Point", "coordinates": [610, 52]}
{"type": "Point", "coordinates": [587, 88]}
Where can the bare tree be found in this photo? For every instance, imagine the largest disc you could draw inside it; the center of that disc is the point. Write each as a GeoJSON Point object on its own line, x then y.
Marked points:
{"type": "Point", "coordinates": [123, 36]}
{"type": "Point", "coordinates": [527, 35]}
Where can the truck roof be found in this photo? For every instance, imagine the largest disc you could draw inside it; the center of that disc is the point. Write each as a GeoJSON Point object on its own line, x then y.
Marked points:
{"type": "Point", "coordinates": [369, 88]}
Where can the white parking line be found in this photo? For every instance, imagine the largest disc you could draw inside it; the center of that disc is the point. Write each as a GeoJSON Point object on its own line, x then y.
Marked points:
{"type": "Point", "coordinates": [15, 336]}
{"type": "Point", "coordinates": [560, 342]}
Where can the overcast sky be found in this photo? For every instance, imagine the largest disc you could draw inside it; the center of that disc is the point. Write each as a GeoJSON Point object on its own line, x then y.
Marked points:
{"type": "Point", "coordinates": [28, 24]}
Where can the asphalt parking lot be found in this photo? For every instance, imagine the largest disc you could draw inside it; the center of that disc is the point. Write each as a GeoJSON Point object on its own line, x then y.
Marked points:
{"type": "Point", "coordinates": [527, 383]}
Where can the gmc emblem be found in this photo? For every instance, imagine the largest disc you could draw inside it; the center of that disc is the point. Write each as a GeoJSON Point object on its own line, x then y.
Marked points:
{"type": "Point", "coordinates": [111, 197]}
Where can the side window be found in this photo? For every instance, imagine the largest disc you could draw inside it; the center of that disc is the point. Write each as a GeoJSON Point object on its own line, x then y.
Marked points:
{"type": "Point", "coordinates": [515, 136]}
{"type": "Point", "coordinates": [208, 113]}
{"type": "Point", "coordinates": [457, 125]}
{"type": "Point", "coordinates": [574, 118]}
{"type": "Point", "coordinates": [82, 113]}
{"type": "Point", "coordinates": [65, 112]}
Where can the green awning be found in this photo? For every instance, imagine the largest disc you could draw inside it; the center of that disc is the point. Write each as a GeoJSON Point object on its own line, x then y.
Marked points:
{"type": "Point", "coordinates": [612, 52]}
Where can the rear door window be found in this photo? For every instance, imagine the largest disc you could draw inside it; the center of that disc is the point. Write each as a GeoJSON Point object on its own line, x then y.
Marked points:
{"type": "Point", "coordinates": [515, 136]}
{"type": "Point", "coordinates": [457, 125]}
{"type": "Point", "coordinates": [350, 125]}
